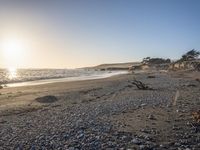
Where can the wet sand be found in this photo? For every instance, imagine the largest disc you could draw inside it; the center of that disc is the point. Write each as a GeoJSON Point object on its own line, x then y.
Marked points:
{"type": "Point", "coordinates": [103, 113]}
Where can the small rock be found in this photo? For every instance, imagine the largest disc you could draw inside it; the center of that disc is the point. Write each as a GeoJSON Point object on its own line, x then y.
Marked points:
{"type": "Point", "coordinates": [66, 136]}
{"type": "Point", "coordinates": [162, 146]}
{"type": "Point", "coordinates": [151, 117]}
{"type": "Point", "coordinates": [144, 104]}
{"type": "Point", "coordinates": [33, 147]}
{"type": "Point", "coordinates": [147, 137]}
{"type": "Point", "coordinates": [80, 136]}
{"type": "Point", "coordinates": [142, 147]}
{"type": "Point", "coordinates": [177, 144]}
{"type": "Point", "coordinates": [71, 148]}
{"type": "Point", "coordinates": [136, 141]}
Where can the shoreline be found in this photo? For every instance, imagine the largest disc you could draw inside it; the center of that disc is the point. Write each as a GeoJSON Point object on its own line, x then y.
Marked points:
{"type": "Point", "coordinates": [68, 79]}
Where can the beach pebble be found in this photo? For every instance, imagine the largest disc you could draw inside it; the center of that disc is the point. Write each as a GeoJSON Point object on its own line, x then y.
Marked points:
{"type": "Point", "coordinates": [144, 104]}
{"type": "Point", "coordinates": [151, 117]}
{"type": "Point", "coordinates": [136, 141]}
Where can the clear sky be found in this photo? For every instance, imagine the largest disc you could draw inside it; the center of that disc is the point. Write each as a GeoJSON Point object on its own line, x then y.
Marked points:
{"type": "Point", "coordinates": [77, 33]}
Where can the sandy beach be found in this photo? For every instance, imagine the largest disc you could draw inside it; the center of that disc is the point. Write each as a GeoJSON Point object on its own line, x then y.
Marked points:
{"type": "Point", "coordinates": [99, 75]}
{"type": "Point", "coordinates": [102, 113]}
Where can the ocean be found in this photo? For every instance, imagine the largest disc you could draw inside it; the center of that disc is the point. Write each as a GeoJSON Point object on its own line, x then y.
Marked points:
{"type": "Point", "coordinates": [21, 77]}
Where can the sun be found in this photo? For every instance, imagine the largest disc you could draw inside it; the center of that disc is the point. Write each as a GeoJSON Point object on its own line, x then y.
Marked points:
{"type": "Point", "coordinates": [13, 52]}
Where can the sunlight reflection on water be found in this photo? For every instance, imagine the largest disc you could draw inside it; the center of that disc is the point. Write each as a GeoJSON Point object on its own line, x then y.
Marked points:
{"type": "Point", "coordinates": [12, 73]}
{"type": "Point", "coordinates": [16, 75]}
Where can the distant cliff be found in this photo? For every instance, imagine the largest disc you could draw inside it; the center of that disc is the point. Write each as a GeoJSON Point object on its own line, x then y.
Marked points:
{"type": "Point", "coordinates": [115, 66]}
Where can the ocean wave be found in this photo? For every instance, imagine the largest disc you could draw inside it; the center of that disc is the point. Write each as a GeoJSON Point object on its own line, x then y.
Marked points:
{"type": "Point", "coordinates": [22, 75]}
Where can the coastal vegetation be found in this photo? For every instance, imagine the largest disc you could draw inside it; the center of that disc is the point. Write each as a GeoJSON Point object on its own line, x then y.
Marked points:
{"type": "Point", "coordinates": [149, 60]}
{"type": "Point", "coordinates": [190, 60]}
{"type": "Point", "coordinates": [190, 55]}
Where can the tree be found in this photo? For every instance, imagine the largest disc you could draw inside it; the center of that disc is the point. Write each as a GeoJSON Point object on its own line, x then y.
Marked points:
{"type": "Point", "coordinates": [149, 60]}
{"type": "Point", "coordinates": [146, 60]}
{"type": "Point", "coordinates": [190, 55]}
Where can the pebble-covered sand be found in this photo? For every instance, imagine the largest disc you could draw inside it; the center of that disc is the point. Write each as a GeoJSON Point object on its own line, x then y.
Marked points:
{"type": "Point", "coordinates": [102, 114]}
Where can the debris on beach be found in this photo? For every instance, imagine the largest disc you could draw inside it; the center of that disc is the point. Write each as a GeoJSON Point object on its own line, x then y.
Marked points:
{"type": "Point", "coordinates": [177, 95]}
{"type": "Point", "coordinates": [140, 85]}
{"type": "Point", "coordinates": [151, 76]}
{"type": "Point", "coordinates": [196, 116]}
{"type": "Point", "coordinates": [191, 85]}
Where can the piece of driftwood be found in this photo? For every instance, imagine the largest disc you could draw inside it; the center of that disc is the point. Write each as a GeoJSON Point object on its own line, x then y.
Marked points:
{"type": "Point", "coordinates": [140, 85]}
{"type": "Point", "coordinates": [151, 76]}
{"type": "Point", "coordinates": [177, 95]}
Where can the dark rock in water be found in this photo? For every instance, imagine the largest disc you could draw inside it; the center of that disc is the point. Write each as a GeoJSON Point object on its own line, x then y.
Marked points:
{"type": "Point", "coordinates": [47, 99]}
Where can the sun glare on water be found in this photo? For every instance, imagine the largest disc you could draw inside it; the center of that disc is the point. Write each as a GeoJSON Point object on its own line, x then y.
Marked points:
{"type": "Point", "coordinates": [12, 73]}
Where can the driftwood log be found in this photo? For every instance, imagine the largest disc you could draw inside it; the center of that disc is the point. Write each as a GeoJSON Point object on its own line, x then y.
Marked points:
{"type": "Point", "coordinates": [140, 85]}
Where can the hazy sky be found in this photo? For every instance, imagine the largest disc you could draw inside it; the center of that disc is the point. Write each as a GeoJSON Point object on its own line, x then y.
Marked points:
{"type": "Point", "coordinates": [77, 33]}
